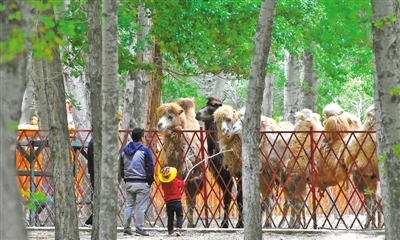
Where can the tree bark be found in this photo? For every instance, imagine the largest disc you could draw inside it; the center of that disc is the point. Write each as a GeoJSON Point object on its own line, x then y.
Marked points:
{"type": "Point", "coordinates": [28, 100]}
{"type": "Point", "coordinates": [308, 82]}
{"type": "Point", "coordinates": [137, 84]}
{"type": "Point", "coordinates": [107, 197]}
{"type": "Point", "coordinates": [386, 48]}
{"type": "Point", "coordinates": [38, 78]}
{"type": "Point", "coordinates": [94, 75]}
{"type": "Point", "coordinates": [66, 220]}
{"type": "Point", "coordinates": [250, 154]}
{"type": "Point", "coordinates": [79, 88]}
{"type": "Point", "coordinates": [219, 85]}
{"type": "Point", "coordinates": [13, 80]}
{"type": "Point", "coordinates": [291, 88]}
{"type": "Point", "coordinates": [156, 81]}
{"type": "Point", "coordinates": [267, 106]}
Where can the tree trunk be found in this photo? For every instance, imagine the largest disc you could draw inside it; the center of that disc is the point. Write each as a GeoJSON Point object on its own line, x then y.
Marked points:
{"type": "Point", "coordinates": [79, 88]}
{"type": "Point", "coordinates": [40, 94]}
{"type": "Point", "coordinates": [94, 75]}
{"type": "Point", "coordinates": [156, 81]}
{"type": "Point", "coordinates": [268, 97]}
{"type": "Point", "coordinates": [250, 154]}
{"type": "Point", "coordinates": [13, 80]}
{"type": "Point", "coordinates": [291, 88]}
{"type": "Point", "coordinates": [386, 47]}
{"type": "Point", "coordinates": [107, 197]}
{"type": "Point", "coordinates": [137, 84]}
{"type": "Point", "coordinates": [27, 102]}
{"type": "Point", "coordinates": [307, 93]}
{"type": "Point", "coordinates": [66, 220]}
{"type": "Point", "coordinates": [219, 85]}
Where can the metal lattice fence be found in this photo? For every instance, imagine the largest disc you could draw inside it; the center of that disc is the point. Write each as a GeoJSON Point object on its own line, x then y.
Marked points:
{"type": "Point", "coordinates": [312, 195]}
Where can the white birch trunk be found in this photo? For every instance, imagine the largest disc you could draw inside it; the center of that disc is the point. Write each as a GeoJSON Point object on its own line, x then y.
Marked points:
{"type": "Point", "coordinates": [267, 106]}
{"type": "Point", "coordinates": [308, 92]}
{"type": "Point", "coordinates": [37, 76]}
{"type": "Point", "coordinates": [107, 196]}
{"type": "Point", "coordinates": [250, 154]}
{"type": "Point", "coordinates": [137, 83]}
{"type": "Point", "coordinates": [27, 103]}
{"type": "Point", "coordinates": [386, 47]}
{"type": "Point", "coordinates": [291, 88]}
{"type": "Point", "coordinates": [219, 85]}
{"type": "Point", "coordinates": [79, 89]}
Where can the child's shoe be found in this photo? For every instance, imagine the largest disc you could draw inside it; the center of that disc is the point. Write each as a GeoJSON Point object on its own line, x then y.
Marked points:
{"type": "Point", "coordinates": [178, 232]}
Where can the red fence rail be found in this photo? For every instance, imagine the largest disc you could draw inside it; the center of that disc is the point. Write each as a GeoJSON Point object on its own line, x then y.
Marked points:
{"type": "Point", "coordinates": [308, 193]}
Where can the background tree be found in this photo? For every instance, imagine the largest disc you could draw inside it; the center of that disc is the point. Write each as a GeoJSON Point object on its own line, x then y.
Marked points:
{"type": "Point", "coordinates": [106, 197]}
{"type": "Point", "coordinates": [251, 181]}
{"type": "Point", "coordinates": [386, 46]}
{"type": "Point", "coordinates": [14, 19]}
{"type": "Point", "coordinates": [137, 79]}
{"type": "Point", "coordinates": [66, 220]}
{"type": "Point", "coordinates": [94, 75]}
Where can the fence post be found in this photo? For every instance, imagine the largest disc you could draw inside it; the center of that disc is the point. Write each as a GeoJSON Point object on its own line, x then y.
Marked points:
{"type": "Point", "coordinates": [204, 173]}
{"type": "Point", "coordinates": [314, 207]}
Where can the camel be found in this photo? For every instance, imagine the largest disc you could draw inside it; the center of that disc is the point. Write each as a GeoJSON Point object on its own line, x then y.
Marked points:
{"type": "Point", "coordinates": [225, 117]}
{"type": "Point", "coordinates": [176, 150]}
{"type": "Point", "coordinates": [273, 154]}
{"type": "Point", "coordinates": [221, 174]}
{"type": "Point", "coordinates": [327, 165]}
{"type": "Point", "coordinates": [360, 159]}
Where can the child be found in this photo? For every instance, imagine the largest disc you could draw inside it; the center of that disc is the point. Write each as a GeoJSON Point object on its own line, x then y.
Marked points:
{"type": "Point", "coordinates": [172, 197]}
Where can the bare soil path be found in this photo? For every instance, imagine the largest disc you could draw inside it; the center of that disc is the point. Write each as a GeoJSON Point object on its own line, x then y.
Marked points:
{"type": "Point", "coordinates": [227, 234]}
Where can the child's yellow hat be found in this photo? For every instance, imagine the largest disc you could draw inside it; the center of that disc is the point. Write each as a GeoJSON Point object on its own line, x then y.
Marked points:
{"type": "Point", "coordinates": [167, 174]}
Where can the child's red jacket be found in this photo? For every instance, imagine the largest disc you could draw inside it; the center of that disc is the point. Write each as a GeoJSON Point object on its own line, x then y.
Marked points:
{"type": "Point", "coordinates": [172, 189]}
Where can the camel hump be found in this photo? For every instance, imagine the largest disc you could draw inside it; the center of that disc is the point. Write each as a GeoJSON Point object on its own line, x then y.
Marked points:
{"type": "Point", "coordinates": [186, 103]}
{"type": "Point", "coordinates": [332, 109]}
{"type": "Point", "coordinates": [211, 101]}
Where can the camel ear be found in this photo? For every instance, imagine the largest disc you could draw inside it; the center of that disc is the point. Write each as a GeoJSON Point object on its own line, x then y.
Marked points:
{"type": "Point", "coordinates": [180, 112]}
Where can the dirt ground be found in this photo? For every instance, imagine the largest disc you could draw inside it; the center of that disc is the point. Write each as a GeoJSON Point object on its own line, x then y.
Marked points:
{"type": "Point", "coordinates": [229, 234]}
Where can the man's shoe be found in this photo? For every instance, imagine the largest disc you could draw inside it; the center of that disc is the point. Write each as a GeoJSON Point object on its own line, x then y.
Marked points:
{"type": "Point", "coordinates": [127, 232]}
{"type": "Point", "coordinates": [141, 232]}
{"type": "Point", "coordinates": [178, 232]}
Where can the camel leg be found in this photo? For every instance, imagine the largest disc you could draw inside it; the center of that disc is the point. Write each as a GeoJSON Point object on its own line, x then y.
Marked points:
{"type": "Point", "coordinates": [225, 183]}
{"type": "Point", "coordinates": [335, 210]}
{"type": "Point", "coordinates": [266, 207]}
{"type": "Point", "coordinates": [295, 218]}
{"type": "Point", "coordinates": [284, 212]}
{"type": "Point", "coordinates": [193, 187]}
{"type": "Point", "coordinates": [239, 202]}
{"type": "Point", "coordinates": [369, 209]}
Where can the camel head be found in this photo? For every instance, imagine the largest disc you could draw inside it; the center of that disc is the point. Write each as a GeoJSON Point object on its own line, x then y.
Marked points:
{"type": "Point", "coordinates": [225, 117]}
{"type": "Point", "coordinates": [238, 126]}
{"type": "Point", "coordinates": [170, 116]}
{"type": "Point", "coordinates": [369, 124]}
{"type": "Point", "coordinates": [306, 119]}
{"type": "Point", "coordinates": [206, 112]}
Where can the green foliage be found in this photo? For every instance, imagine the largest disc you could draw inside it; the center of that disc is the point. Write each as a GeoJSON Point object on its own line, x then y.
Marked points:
{"type": "Point", "coordinates": [15, 46]}
{"type": "Point", "coordinates": [215, 36]}
{"type": "Point", "coordinates": [394, 91]}
{"type": "Point", "coordinates": [35, 199]}
{"type": "Point", "coordinates": [396, 151]}
{"type": "Point", "coordinates": [368, 191]}
{"type": "Point", "coordinates": [13, 126]}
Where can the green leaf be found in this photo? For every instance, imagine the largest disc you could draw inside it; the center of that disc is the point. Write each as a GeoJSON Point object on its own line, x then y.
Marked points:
{"type": "Point", "coordinates": [13, 126]}
{"type": "Point", "coordinates": [394, 91]}
{"type": "Point", "coordinates": [396, 151]}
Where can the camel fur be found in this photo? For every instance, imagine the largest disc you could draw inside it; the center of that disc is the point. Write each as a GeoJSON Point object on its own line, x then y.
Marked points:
{"type": "Point", "coordinates": [220, 173]}
{"type": "Point", "coordinates": [361, 159]}
{"type": "Point", "coordinates": [176, 151]}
